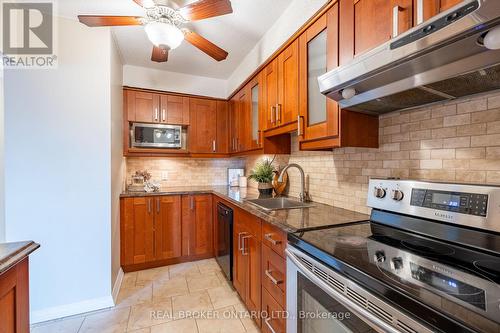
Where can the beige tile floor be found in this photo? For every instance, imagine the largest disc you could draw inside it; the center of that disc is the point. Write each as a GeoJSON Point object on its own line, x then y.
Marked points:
{"type": "Point", "coordinates": [169, 299]}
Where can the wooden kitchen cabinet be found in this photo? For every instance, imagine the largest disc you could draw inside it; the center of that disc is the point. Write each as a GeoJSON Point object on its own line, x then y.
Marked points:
{"type": "Point", "coordinates": [203, 129]}
{"type": "Point", "coordinates": [366, 24]}
{"type": "Point", "coordinates": [167, 227]}
{"type": "Point", "coordinates": [255, 112]}
{"type": "Point", "coordinates": [281, 87]}
{"type": "Point", "coordinates": [142, 107]}
{"type": "Point", "coordinates": [174, 110]}
{"type": "Point", "coordinates": [150, 230]}
{"type": "Point", "coordinates": [222, 143]}
{"type": "Point", "coordinates": [197, 226]}
{"type": "Point", "coordinates": [247, 259]}
{"type": "Point", "coordinates": [137, 230]}
{"type": "Point", "coordinates": [149, 107]}
{"type": "Point", "coordinates": [242, 115]}
{"type": "Point", "coordinates": [274, 321]}
{"type": "Point", "coordinates": [14, 299]}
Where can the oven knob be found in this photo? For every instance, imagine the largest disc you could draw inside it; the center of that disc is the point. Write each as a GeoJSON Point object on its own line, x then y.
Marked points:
{"type": "Point", "coordinates": [379, 192]}
{"type": "Point", "coordinates": [397, 263]}
{"type": "Point", "coordinates": [379, 256]}
{"type": "Point", "coordinates": [397, 195]}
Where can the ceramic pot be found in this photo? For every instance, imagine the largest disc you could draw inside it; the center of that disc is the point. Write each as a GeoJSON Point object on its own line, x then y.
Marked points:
{"type": "Point", "coordinates": [265, 188]}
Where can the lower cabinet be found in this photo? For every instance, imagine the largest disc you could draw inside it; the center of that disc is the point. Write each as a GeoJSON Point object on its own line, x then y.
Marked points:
{"type": "Point", "coordinates": [14, 299]}
{"type": "Point", "coordinates": [162, 230]}
{"type": "Point", "coordinates": [274, 321]}
{"type": "Point", "coordinates": [247, 259]}
{"type": "Point", "coordinates": [197, 229]}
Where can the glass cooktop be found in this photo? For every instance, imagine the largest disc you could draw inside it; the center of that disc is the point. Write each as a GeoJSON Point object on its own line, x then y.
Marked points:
{"type": "Point", "coordinates": [455, 281]}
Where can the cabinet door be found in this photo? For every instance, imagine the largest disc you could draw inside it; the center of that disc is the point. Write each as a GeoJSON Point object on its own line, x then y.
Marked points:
{"type": "Point", "coordinates": [234, 124]}
{"type": "Point", "coordinates": [222, 145]}
{"type": "Point", "coordinates": [243, 114]}
{"type": "Point", "coordinates": [255, 112]}
{"type": "Point", "coordinates": [252, 249]}
{"type": "Point", "coordinates": [167, 227]}
{"type": "Point", "coordinates": [270, 82]}
{"type": "Point", "coordinates": [203, 129]}
{"type": "Point", "coordinates": [174, 110]}
{"type": "Point", "coordinates": [137, 233]}
{"type": "Point", "coordinates": [370, 23]}
{"type": "Point", "coordinates": [288, 84]}
{"type": "Point", "coordinates": [197, 230]}
{"type": "Point", "coordinates": [14, 299]}
{"type": "Point", "coordinates": [143, 107]}
{"type": "Point", "coordinates": [318, 54]}
{"type": "Point", "coordinates": [239, 260]}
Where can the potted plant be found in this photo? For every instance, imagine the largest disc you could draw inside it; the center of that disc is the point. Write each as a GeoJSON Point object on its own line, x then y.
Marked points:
{"type": "Point", "coordinates": [263, 174]}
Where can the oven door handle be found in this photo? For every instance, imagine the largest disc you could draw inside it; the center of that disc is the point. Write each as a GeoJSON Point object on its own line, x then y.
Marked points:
{"type": "Point", "coordinates": [364, 314]}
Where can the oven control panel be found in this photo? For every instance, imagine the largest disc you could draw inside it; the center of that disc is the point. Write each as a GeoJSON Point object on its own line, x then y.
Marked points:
{"type": "Point", "coordinates": [464, 203]}
{"type": "Point", "coordinates": [476, 206]}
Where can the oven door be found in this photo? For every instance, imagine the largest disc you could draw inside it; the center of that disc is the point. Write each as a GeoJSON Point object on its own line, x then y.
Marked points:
{"type": "Point", "coordinates": [156, 136]}
{"type": "Point", "coordinates": [319, 300]}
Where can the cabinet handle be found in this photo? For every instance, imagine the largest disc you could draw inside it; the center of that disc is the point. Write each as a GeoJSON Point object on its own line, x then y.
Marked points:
{"type": "Point", "coordinates": [156, 114]}
{"type": "Point", "coordinates": [243, 247]}
{"type": "Point", "coordinates": [273, 114]}
{"type": "Point", "coordinates": [299, 126]}
{"type": "Point", "coordinates": [163, 115]}
{"type": "Point", "coordinates": [259, 133]}
{"type": "Point", "coordinates": [395, 21]}
{"type": "Point", "coordinates": [149, 206]}
{"type": "Point", "coordinates": [158, 205]}
{"type": "Point", "coordinates": [269, 237]}
{"type": "Point", "coordinates": [239, 239]}
{"type": "Point", "coordinates": [278, 113]}
{"type": "Point", "coordinates": [192, 203]}
{"type": "Point", "coordinates": [268, 319]}
{"type": "Point", "coordinates": [420, 11]}
{"type": "Point", "coordinates": [272, 278]}
{"type": "Point", "coordinates": [213, 146]}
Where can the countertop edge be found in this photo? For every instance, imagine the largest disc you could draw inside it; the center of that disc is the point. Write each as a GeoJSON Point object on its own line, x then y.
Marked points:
{"type": "Point", "coordinates": [17, 256]}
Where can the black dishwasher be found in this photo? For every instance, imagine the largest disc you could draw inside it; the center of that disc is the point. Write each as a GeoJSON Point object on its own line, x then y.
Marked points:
{"type": "Point", "coordinates": [224, 250]}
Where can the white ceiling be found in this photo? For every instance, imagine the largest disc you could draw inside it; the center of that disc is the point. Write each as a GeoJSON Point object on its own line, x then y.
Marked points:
{"type": "Point", "coordinates": [237, 33]}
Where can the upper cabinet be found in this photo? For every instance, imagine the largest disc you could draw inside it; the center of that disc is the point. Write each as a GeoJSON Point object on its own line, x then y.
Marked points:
{"type": "Point", "coordinates": [203, 130]}
{"type": "Point", "coordinates": [255, 112]}
{"type": "Point", "coordinates": [318, 46]}
{"type": "Point", "coordinates": [147, 107]}
{"type": "Point", "coordinates": [281, 87]}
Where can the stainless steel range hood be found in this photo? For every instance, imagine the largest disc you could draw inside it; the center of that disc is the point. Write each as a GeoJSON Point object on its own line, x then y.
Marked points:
{"type": "Point", "coordinates": [440, 59]}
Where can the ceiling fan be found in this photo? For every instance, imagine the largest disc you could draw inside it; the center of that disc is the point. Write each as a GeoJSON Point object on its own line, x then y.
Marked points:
{"type": "Point", "coordinates": [163, 25]}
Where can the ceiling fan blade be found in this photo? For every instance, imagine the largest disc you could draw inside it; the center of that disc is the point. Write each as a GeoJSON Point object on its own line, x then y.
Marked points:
{"type": "Point", "coordinates": [160, 54]}
{"type": "Point", "coordinates": [203, 9]}
{"type": "Point", "coordinates": [145, 3]}
{"type": "Point", "coordinates": [205, 45]}
{"type": "Point", "coordinates": [104, 21]}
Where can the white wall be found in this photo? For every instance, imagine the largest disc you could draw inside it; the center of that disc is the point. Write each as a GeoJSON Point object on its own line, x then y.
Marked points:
{"type": "Point", "coordinates": [117, 160]}
{"type": "Point", "coordinates": [57, 171]}
{"type": "Point", "coordinates": [296, 14]}
{"type": "Point", "coordinates": [141, 77]}
{"type": "Point", "coordinates": [2, 131]}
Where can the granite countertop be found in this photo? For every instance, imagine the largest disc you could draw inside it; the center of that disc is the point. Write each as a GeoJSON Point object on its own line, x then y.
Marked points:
{"type": "Point", "coordinates": [289, 220]}
{"type": "Point", "coordinates": [13, 253]}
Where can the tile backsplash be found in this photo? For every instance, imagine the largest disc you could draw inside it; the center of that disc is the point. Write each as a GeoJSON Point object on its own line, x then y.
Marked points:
{"type": "Point", "coordinates": [184, 171]}
{"type": "Point", "coordinates": [457, 141]}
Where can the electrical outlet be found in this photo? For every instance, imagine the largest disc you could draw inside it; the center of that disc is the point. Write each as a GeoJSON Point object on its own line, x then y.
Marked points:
{"type": "Point", "coordinates": [164, 175]}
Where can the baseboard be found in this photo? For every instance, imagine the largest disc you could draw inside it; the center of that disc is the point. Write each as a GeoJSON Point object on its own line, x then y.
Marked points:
{"type": "Point", "coordinates": [72, 309]}
{"type": "Point", "coordinates": [117, 285]}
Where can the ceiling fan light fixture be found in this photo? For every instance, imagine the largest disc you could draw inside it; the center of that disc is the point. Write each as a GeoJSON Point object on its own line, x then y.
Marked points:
{"type": "Point", "coordinates": [164, 34]}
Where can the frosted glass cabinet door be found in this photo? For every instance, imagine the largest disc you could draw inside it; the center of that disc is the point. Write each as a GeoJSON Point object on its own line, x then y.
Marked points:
{"type": "Point", "coordinates": [316, 66]}
{"type": "Point", "coordinates": [255, 113]}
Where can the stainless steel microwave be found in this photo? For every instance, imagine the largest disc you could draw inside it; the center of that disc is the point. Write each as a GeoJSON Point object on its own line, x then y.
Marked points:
{"type": "Point", "coordinates": [156, 136]}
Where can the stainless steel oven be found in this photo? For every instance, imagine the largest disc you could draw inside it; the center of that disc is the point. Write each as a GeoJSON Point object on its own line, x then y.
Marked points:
{"type": "Point", "coordinates": [320, 300]}
{"type": "Point", "coordinates": [156, 136]}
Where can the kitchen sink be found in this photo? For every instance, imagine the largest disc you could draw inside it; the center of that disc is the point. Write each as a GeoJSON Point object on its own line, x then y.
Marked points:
{"type": "Point", "coordinates": [279, 203]}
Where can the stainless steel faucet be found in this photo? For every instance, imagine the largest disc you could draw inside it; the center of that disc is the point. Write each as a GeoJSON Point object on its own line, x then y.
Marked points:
{"type": "Point", "coordinates": [303, 196]}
